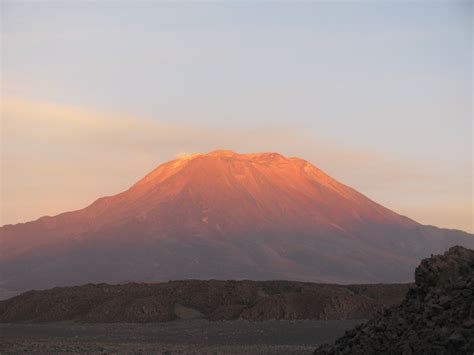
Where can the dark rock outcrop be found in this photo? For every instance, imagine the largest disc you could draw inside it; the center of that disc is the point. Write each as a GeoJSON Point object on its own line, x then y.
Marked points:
{"type": "Point", "coordinates": [213, 300]}
{"type": "Point", "coordinates": [437, 316]}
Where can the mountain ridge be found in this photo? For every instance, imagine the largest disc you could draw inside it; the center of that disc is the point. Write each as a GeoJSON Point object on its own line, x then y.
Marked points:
{"type": "Point", "coordinates": [215, 300]}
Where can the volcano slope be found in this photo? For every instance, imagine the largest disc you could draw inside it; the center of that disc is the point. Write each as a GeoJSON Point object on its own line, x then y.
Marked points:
{"type": "Point", "coordinates": [223, 215]}
{"type": "Point", "coordinates": [436, 317]}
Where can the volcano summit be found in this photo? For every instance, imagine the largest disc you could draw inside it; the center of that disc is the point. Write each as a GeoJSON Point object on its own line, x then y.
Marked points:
{"type": "Point", "coordinates": [223, 215]}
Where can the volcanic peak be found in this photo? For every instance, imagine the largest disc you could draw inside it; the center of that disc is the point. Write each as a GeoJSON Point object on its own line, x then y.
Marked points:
{"type": "Point", "coordinates": [222, 215]}
{"type": "Point", "coordinates": [221, 153]}
{"type": "Point", "coordinates": [224, 156]}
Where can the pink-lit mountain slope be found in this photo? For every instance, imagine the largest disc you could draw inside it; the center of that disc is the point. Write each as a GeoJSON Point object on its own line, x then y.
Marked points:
{"type": "Point", "coordinates": [227, 216]}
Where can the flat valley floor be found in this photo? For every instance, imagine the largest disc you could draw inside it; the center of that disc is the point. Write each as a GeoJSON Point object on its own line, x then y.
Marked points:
{"type": "Point", "coordinates": [177, 337]}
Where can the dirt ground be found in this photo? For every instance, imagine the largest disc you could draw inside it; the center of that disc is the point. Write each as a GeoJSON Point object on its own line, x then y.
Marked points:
{"type": "Point", "coordinates": [177, 337]}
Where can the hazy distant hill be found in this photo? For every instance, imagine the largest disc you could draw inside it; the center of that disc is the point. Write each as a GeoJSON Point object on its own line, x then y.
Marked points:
{"type": "Point", "coordinates": [191, 299]}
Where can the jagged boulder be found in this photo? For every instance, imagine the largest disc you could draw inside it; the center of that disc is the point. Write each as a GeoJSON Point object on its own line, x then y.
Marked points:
{"type": "Point", "coordinates": [436, 317]}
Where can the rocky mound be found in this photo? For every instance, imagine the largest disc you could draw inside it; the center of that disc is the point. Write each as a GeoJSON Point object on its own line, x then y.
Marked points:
{"type": "Point", "coordinates": [436, 317]}
{"type": "Point", "coordinates": [213, 300]}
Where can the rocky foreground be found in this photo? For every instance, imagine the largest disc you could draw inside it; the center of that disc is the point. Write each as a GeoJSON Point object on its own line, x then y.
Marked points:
{"type": "Point", "coordinates": [436, 317]}
{"type": "Point", "coordinates": [212, 300]}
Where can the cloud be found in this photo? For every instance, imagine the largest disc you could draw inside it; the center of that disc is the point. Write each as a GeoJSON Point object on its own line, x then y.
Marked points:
{"type": "Point", "coordinates": [57, 158]}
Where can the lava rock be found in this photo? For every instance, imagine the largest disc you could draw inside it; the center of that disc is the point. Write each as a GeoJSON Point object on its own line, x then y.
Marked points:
{"type": "Point", "coordinates": [436, 317]}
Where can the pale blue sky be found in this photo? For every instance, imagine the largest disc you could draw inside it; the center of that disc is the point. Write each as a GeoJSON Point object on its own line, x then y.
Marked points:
{"type": "Point", "coordinates": [389, 79]}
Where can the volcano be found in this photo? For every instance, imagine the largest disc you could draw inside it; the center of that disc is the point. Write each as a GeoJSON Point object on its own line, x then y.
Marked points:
{"type": "Point", "coordinates": [223, 215]}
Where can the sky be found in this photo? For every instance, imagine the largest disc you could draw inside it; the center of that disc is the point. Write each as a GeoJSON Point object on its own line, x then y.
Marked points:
{"type": "Point", "coordinates": [377, 94]}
